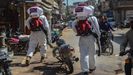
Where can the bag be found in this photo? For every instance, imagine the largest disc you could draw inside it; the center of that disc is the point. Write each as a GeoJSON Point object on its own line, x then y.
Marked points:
{"type": "Point", "coordinates": [83, 27]}
{"type": "Point", "coordinates": [35, 24]}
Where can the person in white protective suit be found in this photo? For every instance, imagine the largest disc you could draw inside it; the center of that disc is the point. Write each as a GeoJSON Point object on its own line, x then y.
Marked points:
{"type": "Point", "coordinates": [37, 37]}
{"type": "Point", "coordinates": [87, 43]}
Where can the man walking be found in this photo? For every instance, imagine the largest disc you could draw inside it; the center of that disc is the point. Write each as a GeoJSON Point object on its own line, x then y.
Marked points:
{"type": "Point", "coordinates": [128, 40]}
{"type": "Point", "coordinates": [40, 30]}
{"type": "Point", "coordinates": [89, 24]}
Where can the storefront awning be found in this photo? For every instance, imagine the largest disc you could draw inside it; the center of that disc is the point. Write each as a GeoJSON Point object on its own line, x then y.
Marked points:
{"type": "Point", "coordinates": [49, 1]}
{"type": "Point", "coordinates": [55, 5]}
{"type": "Point", "coordinates": [52, 2]}
{"type": "Point", "coordinates": [44, 5]}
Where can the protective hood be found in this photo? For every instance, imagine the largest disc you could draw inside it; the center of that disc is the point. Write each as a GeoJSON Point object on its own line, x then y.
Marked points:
{"type": "Point", "coordinates": [35, 11]}
{"type": "Point", "coordinates": [89, 9]}
{"type": "Point", "coordinates": [83, 12]}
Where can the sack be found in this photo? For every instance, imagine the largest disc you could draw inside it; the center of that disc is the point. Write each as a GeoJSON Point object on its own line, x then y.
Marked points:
{"type": "Point", "coordinates": [36, 24]}
{"type": "Point", "coordinates": [83, 27]}
{"type": "Point", "coordinates": [80, 12]}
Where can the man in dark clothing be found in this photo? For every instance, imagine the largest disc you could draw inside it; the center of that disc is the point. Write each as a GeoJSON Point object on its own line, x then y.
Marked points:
{"type": "Point", "coordinates": [128, 39]}
{"type": "Point", "coordinates": [105, 29]}
{"type": "Point", "coordinates": [104, 24]}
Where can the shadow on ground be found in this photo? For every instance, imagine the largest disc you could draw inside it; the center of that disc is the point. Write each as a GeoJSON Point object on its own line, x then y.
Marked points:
{"type": "Point", "coordinates": [78, 74]}
{"type": "Point", "coordinates": [51, 69]}
{"type": "Point", "coordinates": [16, 65]}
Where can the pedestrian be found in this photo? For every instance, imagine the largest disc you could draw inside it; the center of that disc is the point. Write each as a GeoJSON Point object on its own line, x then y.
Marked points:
{"type": "Point", "coordinates": [87, 38]}
{"type": "Point", "coordinates": [38, 25]}
{"type": "Point", "coordinates": [127, 41]}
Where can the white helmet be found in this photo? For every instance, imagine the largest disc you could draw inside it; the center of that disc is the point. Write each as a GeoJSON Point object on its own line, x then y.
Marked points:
{"type": "Point", "coordinates": [35, 11]}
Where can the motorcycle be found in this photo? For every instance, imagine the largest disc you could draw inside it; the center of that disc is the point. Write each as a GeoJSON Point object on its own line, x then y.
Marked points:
{"type": "Point", "coordinates": [18, 43]}
{"type": "Point", "coordinates": [106, 44]}
{"type": "Point", "coordinates": [64, 53]}
{"type": "Point", "coordinates": [128, 67]}
{"type": "Point", "coordinates": [4, 64]}
{"type": "Point", "coordinates": [59, 27]}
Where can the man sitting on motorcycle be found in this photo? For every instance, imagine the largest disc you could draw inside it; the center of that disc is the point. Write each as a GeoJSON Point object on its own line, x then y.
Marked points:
{"type": "Point", "coordinates": [105, 27]}
{"type": "Point", "coordinates": [128, 39]}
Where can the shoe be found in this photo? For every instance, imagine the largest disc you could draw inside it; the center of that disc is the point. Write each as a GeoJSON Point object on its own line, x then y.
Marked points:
{"type": "Point", "coordinates": [91, 70]}
{"type": "Point", "coordinates": [85, 73]}
{"type": "Point", "coordinates": [26, 61]}
{"type": "Point", "coordinates": [42, 59]}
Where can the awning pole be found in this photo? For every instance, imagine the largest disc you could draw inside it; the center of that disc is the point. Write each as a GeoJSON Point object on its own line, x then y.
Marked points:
{"type": "Point", "coordinates": [24, 8]}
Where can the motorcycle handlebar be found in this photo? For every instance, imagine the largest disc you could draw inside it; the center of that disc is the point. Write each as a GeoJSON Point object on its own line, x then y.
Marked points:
{"type": "Point", "coordinates": [127, 51]}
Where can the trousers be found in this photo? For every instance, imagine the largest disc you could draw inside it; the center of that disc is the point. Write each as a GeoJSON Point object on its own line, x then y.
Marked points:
{"type": "Point", "coordinates": [87, 52]}
{"type": "Point", "coordinates": [37, 38]}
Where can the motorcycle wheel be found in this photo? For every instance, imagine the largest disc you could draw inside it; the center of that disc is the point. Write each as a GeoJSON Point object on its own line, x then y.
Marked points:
{"type": "Point", "coordinates": [8, 72]}
{"type": "Point", "coordinates": [2, 71]}
{"type": "Point", "coordinates": [10, 51]}
{"type": "Point", "coordinates": [5, 71]}
{"type": "Point", "coordinates": [20, 49]}
{"type": "Point", "coordinates": [6, 68]}
{"type": "Point", "coordinates": [68, 66]}
{"type": "Point", "coordinates": [109, 49]}
{"type": "Point", "coordinates": [25, 48]}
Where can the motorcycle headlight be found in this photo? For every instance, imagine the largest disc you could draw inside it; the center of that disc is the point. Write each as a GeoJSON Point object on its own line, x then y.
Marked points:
{"type": "Point", "coordinates": [60, 42]}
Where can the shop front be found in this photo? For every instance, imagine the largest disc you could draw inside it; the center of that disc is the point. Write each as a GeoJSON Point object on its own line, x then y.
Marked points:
{"type": "Point", "coordinates": [13, 13]}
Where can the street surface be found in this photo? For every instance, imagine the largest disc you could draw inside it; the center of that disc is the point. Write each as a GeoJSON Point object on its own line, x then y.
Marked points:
{"type": "Point", "coordinates": [105, 65]}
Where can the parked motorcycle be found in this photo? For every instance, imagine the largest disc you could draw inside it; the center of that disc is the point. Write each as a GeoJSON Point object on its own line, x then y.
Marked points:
{"type": "Point", "coordinates": [4, 64]}
{"type": "Point", "coordinates": [4, 58]}
{"type": "Point", "coordinates": [64, 53]}
{"type": "Point", "coordinates": [18, 43]}
{"type": "Point", "coordinates": [106, 44]}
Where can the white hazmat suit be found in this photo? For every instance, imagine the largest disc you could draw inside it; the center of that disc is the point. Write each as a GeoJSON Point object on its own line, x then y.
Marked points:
{"type": "Point", "coordinates": [37, 37]}
{"type": "Point", "coordinates": [87, 43]}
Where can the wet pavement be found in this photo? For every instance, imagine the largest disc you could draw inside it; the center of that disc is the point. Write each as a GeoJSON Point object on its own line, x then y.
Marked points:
{"type": "Point", "coordinates": [105, 65]}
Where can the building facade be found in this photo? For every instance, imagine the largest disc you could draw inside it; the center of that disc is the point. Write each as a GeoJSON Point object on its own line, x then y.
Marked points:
{"type": "Point", "coordinates": [13, 13]}
{"type": "Point", "coordinates": [123, 9]}
{"type": "Point", "coordinates": [120, 10]}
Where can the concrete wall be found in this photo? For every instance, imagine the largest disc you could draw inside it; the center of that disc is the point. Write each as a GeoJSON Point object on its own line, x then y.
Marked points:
{"type": "Point", "coordinates": [120, 9]}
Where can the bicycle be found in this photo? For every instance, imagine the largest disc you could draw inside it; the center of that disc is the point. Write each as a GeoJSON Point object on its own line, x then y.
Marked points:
{"type": "Point", "coordinates": [106, 44]}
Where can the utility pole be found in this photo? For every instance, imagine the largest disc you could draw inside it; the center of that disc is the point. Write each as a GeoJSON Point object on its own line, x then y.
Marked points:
{"type": "Point", "coordinates": [67, 9]}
